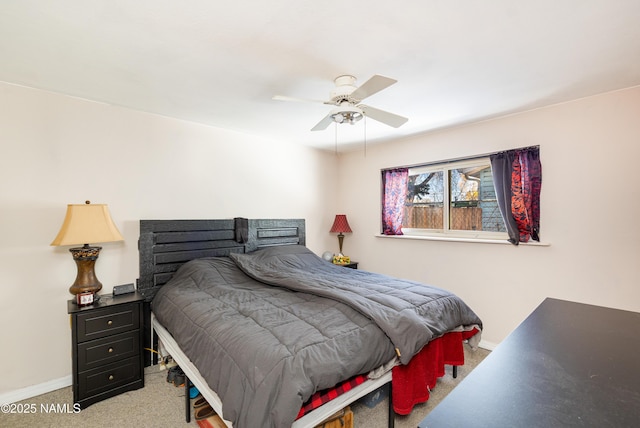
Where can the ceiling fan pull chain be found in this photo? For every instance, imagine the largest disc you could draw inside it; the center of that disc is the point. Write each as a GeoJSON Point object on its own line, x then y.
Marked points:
{"type": "Point", "coordinates": [336, 137]}
{"type": "Point", "coordinates": [365, 135]}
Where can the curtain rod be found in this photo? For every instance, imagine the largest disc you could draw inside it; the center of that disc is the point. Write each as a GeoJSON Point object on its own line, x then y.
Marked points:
{"type": "Point", "coordinates": [466, 158]}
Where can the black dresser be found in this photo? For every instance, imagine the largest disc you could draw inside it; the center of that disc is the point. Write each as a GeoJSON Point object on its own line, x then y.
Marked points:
{"type": "Point", "coordinates": [567, 365]}
{"type": "Point", "coordinates": [107, 346]}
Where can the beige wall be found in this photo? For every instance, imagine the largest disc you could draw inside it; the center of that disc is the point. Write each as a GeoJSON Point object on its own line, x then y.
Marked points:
{"type": "Point", "coordinates": [590, 203]}
{"type": "Point", "coordinates": [58, 150]}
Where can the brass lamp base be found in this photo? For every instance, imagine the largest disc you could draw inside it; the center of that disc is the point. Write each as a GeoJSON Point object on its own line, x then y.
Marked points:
{"type": "Point", "coordinates": [86, 281]}
{"type": "Point", "coordinates": [340, 241]}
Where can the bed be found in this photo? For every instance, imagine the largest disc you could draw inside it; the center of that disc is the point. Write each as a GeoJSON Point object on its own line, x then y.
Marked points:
{"type": "Point", "coordinates": [260, 324]}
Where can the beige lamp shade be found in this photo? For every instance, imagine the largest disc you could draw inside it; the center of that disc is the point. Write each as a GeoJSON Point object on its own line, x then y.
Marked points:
{"type": "Point", "coordinates": [84, 224]}
{"type": "Point", "coordinates": [87, 223]}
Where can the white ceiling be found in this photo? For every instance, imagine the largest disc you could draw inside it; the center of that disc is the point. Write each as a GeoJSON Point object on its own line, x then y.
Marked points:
{"type": "Point", "coordinates": [221, 62]}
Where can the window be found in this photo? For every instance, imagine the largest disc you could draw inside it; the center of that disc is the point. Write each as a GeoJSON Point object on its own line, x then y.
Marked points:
{"type": "Point", "coordinates": [455, 199]}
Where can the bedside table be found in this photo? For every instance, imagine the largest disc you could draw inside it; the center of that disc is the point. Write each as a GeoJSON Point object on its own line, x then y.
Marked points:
{"type": "Point", "coordinates": [352, 265]}
{"type": "Point", "coordinates": [107, 346]}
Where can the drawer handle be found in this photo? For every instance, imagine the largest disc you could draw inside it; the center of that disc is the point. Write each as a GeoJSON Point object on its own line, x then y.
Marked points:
{"type": "Point", "coordinates": [110, 350]}
{"type": "Point", "coordinates": [110, 377]}
{"type": "Point", "coordinates": [109, 322]}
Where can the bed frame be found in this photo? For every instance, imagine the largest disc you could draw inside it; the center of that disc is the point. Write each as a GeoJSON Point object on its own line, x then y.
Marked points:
{"type": "Point", "coordinates": [165, 245]}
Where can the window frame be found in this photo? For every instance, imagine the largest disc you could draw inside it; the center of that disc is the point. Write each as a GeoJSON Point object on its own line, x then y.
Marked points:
{"type": "Point", "coordinates": [446, 231]}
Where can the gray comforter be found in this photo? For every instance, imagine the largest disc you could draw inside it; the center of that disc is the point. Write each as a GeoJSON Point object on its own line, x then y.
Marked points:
{"type": "Point", "coordinates": [266, 349]}
{"type": "Point", "coordinates": [410, 313]}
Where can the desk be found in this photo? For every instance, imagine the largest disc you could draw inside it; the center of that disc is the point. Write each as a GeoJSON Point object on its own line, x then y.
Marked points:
{"type": "Point", "coordinates": [567, 364]}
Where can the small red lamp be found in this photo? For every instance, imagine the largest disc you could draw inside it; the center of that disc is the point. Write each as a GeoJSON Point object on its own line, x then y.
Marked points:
{"type": "Point", "coordinates": [340, 226]}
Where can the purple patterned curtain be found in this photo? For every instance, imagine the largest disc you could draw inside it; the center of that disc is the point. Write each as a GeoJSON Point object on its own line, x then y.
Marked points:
{"type": "Point", "coordinates": [394, 188]}
{"type": "Point", "coordinates": [517, 177]}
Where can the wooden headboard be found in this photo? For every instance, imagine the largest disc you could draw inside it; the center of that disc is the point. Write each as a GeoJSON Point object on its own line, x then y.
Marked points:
{"type": "Point", "coordinates": [164, 245]}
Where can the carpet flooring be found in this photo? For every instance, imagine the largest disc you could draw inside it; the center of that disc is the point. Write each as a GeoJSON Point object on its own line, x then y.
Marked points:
{"type": "Point", "coordinates": [160, 404]}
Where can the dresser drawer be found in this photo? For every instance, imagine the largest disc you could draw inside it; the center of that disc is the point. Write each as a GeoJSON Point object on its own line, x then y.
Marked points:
{"type": "Point", "coordinates": [95, 353]}
{"type": "Point", "coordinates": [104, 322]}
{"type": "Point", "coordinates": [108, 377]}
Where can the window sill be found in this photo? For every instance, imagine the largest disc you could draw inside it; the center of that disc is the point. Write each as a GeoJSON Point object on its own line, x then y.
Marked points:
{"type": "Point", "coordinates": [460, 239]}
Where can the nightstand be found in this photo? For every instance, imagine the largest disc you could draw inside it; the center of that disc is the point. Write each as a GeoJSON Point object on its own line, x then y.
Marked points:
{"type": "Point", "coordinates": [106, 347]}
{"type": "Point", "coordinates": [352, 265]}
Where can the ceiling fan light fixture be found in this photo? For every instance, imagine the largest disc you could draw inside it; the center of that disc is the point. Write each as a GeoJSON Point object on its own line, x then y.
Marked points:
{"type": "Point", "coordinates": [346, 114]}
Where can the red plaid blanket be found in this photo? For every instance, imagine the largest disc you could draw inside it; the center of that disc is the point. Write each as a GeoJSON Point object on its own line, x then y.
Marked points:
{"type": "Point", "coordinates": [326, 395]}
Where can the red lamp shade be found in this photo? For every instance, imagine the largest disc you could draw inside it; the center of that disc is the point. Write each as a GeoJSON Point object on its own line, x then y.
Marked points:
{"type": "Point", "coordinates": [340, 226]}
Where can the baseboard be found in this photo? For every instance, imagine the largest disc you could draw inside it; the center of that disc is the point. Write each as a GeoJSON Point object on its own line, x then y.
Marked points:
{"type": "Point", "coordinates": [489, 346]}
{"type": "Point", "coordinates": [35, 390]}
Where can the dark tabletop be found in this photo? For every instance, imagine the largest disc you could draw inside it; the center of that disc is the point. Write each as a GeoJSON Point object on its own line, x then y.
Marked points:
{"type": "Point", "coordinates": [568, 364]}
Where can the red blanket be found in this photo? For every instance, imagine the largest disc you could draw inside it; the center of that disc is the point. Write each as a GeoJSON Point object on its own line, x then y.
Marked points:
{"type": "Point", "coordinates": [412, 382]}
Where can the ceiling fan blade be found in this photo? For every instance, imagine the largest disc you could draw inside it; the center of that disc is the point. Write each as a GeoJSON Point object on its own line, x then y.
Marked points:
{"type": "Point", "coordinates": [372, 86]}
{"type": "Point", "coordinates": [299, 100]}
{"type": "Point", "coordinates": [385, 117]}
{"type": "Point", "coordinates": [323, 124]}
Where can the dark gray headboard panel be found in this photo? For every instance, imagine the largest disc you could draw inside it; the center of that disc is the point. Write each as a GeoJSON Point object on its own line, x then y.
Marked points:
{"type": "Point", "coordinates": [164, 245]}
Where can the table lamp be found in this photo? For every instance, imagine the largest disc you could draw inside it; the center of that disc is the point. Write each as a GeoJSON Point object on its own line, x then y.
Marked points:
{"type": "Point", "coordinates": [83, 224]}
{"type": "Point", "coordinates": [340, 226]}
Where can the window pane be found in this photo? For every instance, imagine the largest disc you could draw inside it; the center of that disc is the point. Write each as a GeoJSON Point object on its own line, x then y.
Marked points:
{"type": "Point", "coordinates": [473, 200]}
{"type": "Point", "coordinates": [425, 198]}
{"type": "Point", "coordinates": [457, 198]}
{"type": "Point", "coordinates": [464, 213]}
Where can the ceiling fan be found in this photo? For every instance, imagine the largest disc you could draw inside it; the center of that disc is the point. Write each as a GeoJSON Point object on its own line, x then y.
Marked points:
{"type": "Point", "coordinates": [346, 96]}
